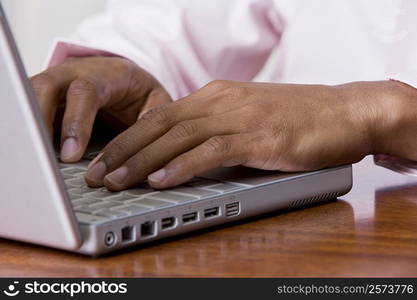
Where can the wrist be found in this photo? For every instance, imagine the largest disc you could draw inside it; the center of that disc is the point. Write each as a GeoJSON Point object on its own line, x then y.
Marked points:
{"type": "Point", "coordinates": [392, 122]}
{"type": "Point", "coordinates": [383, 111]}
{"type": "Point", "coordinates": [398, 116]}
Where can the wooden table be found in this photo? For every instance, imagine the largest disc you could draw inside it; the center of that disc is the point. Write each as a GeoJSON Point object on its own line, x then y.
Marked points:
{"type": "Point", "coordinates": [372, 231]}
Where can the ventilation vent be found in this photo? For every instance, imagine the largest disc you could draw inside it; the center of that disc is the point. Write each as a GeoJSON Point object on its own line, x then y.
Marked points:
{"type": "Point", "coordinates": [314, 199]}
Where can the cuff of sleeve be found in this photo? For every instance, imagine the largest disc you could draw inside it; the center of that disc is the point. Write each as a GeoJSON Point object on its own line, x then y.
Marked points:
{"type": "Point", "coordinates": [61, 50]}
{"type": "Point", "coordinates": [396, 164]}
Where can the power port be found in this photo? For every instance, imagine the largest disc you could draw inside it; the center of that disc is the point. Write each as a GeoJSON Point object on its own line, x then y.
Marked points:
{"type": "Point", "coordinates": [147, 229]}
{"type": "Point", "coordinates": [128, 234]}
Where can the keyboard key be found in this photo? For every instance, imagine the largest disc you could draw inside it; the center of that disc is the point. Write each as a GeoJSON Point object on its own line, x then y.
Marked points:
{"type": "Point", "coordinates": [100, 194]}
{"type": "Point", "coordinates": [225, 187]}
{"type": "Point", "coordinates": [87, 209]}
{"type": "Point", "coordinates": [122, 197]}
{"type": "Point", "coordinates": [77, 182]}
{"type": "Point", "coordinates": [63, 166]}
{"type": "Point", "coordinates": [67, 176]}
{"type": "Point", "coordinates": [72, 171]}
{"type": "Point", "coordinates": [110, 213]}
{"type": "Point", "coordinates": [86, 218]}
{"type": "Point", "coordinates": [141, 192]}
{"type": "Point", "coordinates": [172, 197]}
{"type": "Point", "coordinates": [74, 196]}
{"type": "Point", "coordinates": [104, 205]}
{"type": "Point", "coordinates": [86, 201]}
{"type": "Point", "coordinates": [81, 190]}
{"type": "Point", "coordinates": [151, 202]}
{"type": "Point", "coordinates": [132, 208]}
{"type": "Point", "coordinates": [196, 192]}
{"type": "Point", "coordinates": [81, 164]}
{"type": "Point", "coordinates": [201, 183]}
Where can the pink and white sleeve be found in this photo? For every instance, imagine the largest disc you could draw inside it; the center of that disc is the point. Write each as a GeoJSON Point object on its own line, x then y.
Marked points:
{"type": "Point", "coordinates": [183, 43]}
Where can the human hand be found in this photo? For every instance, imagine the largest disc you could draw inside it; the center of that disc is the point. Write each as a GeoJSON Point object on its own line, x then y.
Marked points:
{"type": "Point", "coordinates": [285, 127]}
{"type": "Point", "coordinates": [82, 87]}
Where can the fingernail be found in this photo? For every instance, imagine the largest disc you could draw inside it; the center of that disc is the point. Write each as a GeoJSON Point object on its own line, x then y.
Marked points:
{"type": "Point", "coordinates": [69, 148]}
{"type": "Point", "coordinates": [118, 176]}
{"type": "Point", "coordinates": [158, 176]}
{"type": "Point", "coordinates": [96, 172]}
{"type": "Point", "coordinates": [95, 159]}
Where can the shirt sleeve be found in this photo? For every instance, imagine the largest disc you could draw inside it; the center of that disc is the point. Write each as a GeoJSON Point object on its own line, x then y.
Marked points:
{"type": "Point", "coordinates": [182, 43]}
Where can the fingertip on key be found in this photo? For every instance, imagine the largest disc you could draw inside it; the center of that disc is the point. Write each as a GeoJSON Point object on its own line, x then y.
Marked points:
{"type": "Point", "coordinates": [69, 150]}
{"type": "Point", "coordinates": [95, 174]}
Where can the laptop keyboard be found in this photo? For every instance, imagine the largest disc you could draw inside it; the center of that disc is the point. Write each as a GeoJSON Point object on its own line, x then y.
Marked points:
{"type": "Point", "coordinates": [98, 204]}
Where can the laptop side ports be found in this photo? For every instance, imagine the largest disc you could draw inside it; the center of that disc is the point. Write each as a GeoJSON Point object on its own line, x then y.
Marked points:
{"type": "Point", "coordinates": [147, 229]}
{"type": "Point", "coordinates": [189, 217]}
{"type": "Point", "coordinates": [212, 212]}
{"type": "Point", "coordinates": [232, 209]}
{"type": "Point", "coordinates": [168, 223]}
{"type": "Point", "coordinates": [128, 234]}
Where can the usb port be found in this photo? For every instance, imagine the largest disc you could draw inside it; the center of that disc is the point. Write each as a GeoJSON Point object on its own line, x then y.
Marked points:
{"type": "Point", "coordinates": [168, 223]}
{"type": "Point", "coordinates": [190, 217]}
{"type": "Point", "coordinates": [211, 212]}
{"type": "Point", "coordinates": [232, 209]}
{"type": "Point", "coordinates": [147, 229]}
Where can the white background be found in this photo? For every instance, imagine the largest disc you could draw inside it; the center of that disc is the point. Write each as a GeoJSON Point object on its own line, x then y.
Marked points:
{"type": "Point", "coordinates": [36, 23]}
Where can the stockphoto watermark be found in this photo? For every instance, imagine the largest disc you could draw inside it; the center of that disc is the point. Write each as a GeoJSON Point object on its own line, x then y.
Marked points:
{"type": "Point", "coordinates": [71, 289]}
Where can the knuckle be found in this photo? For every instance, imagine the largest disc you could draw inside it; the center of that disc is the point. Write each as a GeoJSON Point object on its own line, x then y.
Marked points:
{"type": "Point", "coordinates": [82, 86]}
{"type": "Point", "coordinates": [72, 128]}
{"type": "Point", "coordinates": [126, 64]}
{"type": "Point", "coordinates": [218, 144]}
{"type": "Point", "coordinates": [218, 84]}
{"type": "Point", "coordinates": [184, 129]}
{"type": "Point", "coordinates": [72, 60]}
{"type": "Point", "coordinates": [234, 92]}
{"type": "Point", "coordinates": [112, 152]}
{"type": "Point", "coordinates": [143, 156]}
{"type": "Point", "coordinates": [42, 81]}
{"type": "Point", "coordinates": [261, 124]}
{"type": "Point", "coordinates": [157, 116]}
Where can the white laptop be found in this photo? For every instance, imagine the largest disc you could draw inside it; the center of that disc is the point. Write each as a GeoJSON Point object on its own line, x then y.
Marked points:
{"type": "Point", "coordinates": [48, 203]}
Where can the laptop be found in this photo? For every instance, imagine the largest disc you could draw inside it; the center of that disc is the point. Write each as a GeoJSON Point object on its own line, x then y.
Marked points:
{"type": "Point", "coordinates": [48, 203]}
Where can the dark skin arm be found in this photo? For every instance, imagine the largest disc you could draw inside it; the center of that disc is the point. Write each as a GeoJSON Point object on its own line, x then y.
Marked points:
{"type": "Point", "coordinates": [287, 127]}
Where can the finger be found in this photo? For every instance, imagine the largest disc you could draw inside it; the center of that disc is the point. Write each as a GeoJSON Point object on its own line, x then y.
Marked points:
{"type": "Point", "coordinates": [48, 86]}
{"type": "Point", "coordinates": [146, 130]}
{"type": "Point", "coordinates": [214, 87]}
{"type": "Point", "coordinates": [156, 98]}
{"type": "Point", "coordinates": [181, 138]}
{"type": "Point", "coordinates": [155, 123]}
{"type": "Point", "coordinates": [80, 113]}
{"type": "Point", "coordinates": [219, 151]}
